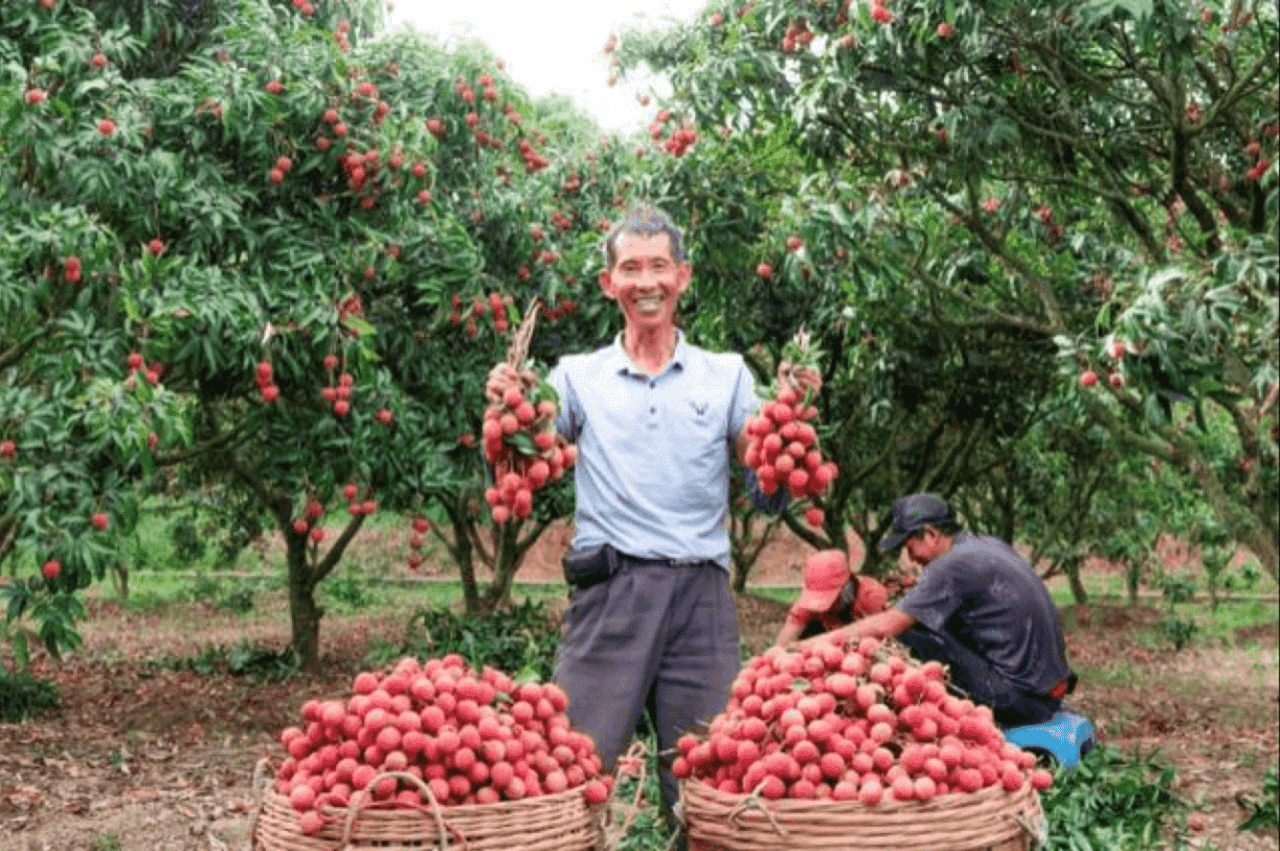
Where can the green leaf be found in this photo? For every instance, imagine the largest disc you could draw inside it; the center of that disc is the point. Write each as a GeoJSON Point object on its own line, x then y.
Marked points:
{"type": "Point", "coordinates": [523, 443]}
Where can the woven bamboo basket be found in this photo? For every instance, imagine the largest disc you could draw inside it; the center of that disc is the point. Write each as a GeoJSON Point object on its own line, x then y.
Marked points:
{"type": "Point", "coordinates": [987, 820]}
{"type": "Point", "coordinates": [559, 822]}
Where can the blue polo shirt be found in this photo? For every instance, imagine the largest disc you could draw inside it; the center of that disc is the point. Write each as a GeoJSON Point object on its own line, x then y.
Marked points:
{"type": "Point", "coordinates": [654, 452]}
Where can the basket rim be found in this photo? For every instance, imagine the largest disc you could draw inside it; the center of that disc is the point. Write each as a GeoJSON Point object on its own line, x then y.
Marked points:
{"type": "Point", "coordinates": [533, 802]}
{"type": "Point", "coordinates": [783, 805]}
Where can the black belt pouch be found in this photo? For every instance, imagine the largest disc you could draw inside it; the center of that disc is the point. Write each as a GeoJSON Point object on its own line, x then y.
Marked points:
{"type": "Point", "coordinates": [591, 566]}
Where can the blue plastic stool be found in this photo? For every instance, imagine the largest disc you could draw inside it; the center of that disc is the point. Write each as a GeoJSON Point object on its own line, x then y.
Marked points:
{"type": "Point", "coordinates": [1066, 737]}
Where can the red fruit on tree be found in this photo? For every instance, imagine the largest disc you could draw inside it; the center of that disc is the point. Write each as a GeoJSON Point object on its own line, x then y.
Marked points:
{"type": "Point", "coordinates": [99, 61]}
{"type": "Point", "coordinates": [106, 127]}
{"type": "Point", "coordinates": [1088, 378]}
{"type": "Point", "coordinates": [155, 246]}
{"type": "Point", "coordinates": [100, 521]}
{"type": "Point", "coordinates": [51, 568]}
{"type": "Point", "coordinates": [794, 243]}
{"type": "Point", "coordinates": [764, 270]}
{"type": "Point", "coordinates": [274, 87]}
{"type": "Point", "coordinates": [945, 30]}
{"type": "Point", "coordinates": [8, 450]}
{"type": "Point", "coordinates": [300, 526]}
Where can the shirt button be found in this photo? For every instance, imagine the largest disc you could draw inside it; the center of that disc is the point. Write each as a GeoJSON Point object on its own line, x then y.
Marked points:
{"type": "Point", "coordinates": [653, 384]}
{"type": "Point", "coordinates": [653, 410]}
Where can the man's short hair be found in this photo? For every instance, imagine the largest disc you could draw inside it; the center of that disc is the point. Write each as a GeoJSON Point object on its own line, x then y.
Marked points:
{"type": "Point", "coordinates": [644, 220]}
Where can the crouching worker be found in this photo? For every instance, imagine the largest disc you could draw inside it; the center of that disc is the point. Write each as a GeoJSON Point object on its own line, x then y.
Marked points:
{"type": "Point", "coordinates": [979, 608]}
{"type": "Point", "coordinates": [833, 596]}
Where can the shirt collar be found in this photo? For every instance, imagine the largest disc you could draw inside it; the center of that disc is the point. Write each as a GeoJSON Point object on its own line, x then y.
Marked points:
{"type": "Point", "coordinates": [620, 362]}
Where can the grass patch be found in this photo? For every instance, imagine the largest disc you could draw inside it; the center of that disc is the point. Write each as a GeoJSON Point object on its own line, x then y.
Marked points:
{"type": "Point", "coordinates": [777, 594]}
{"type": "Point", "coordinates": [106, 842]}
{"type": "Point", "coordinates": [520, 641]}
{"type": "Point", "coordinates": [23, 697]}
{"type": "Point", "coordinates": [242, 659]}
{"type": "Point", "coordinates": [1114, 801]}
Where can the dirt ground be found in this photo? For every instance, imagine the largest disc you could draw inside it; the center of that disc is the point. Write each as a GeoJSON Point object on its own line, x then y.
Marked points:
{"type": "Point", "coordinates": [141, 758]}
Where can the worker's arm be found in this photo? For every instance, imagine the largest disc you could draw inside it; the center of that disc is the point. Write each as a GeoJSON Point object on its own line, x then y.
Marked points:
{"type": "Point", "coordinates": [887, 624]}
{"type": "Point", "coordinates": [797, 620]}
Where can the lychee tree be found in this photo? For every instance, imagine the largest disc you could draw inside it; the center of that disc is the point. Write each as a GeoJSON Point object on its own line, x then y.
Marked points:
{"type": "Point", "coordinates": [1055, 191]}
{"type": "Point", "coordinates": [277, 263]}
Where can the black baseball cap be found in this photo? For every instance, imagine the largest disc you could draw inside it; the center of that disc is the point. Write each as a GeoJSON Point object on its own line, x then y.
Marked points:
{"type": "Point", "coordinates": [913, 513]}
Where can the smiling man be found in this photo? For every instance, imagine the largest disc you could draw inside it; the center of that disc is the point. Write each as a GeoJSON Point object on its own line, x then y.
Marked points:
{"type": "Point", "coordinates": [658, 423]}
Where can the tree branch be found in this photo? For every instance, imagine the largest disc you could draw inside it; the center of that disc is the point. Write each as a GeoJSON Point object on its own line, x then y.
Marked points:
{"type": "Point", "coordinates": [326, 565]}
{"type": "Point", "coordinates": [18, 350]}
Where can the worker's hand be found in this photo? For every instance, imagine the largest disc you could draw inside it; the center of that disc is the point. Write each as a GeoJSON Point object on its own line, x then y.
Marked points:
{"type": "Point", "coordinates": [787, 635]}
{"type": "Point", "coordinates": [805, 380]}
{"type": "Point", "coordinates": [840, 637]}
{"type": "Point", "coordinates": [501, 378]}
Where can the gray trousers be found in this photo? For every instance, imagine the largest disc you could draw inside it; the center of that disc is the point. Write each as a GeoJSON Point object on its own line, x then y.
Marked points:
{"type": "Point", "coordinates": [976, 677]}
{"type": "Point", "coordinates": [654, 636]}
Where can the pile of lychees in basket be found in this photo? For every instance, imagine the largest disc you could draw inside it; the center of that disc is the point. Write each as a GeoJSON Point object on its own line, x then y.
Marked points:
{"type": "Point", "coordinates": [471, 738]}
{"type": "Point", "coordinates": [852, 723]}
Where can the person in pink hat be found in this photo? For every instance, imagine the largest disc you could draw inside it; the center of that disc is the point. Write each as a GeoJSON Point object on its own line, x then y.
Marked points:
{"type": "Point", "coordinates": [833, 596]}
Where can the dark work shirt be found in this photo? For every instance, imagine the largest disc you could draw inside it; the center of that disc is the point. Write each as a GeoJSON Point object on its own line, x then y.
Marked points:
{"type": "Point", "coordinates": [992, 600]}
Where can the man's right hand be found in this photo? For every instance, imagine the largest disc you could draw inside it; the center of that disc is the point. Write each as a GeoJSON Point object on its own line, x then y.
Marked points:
{"type": "Point", "coordinates": [501, 378]}
{"type": "Point", "coordinates": [805, 380]}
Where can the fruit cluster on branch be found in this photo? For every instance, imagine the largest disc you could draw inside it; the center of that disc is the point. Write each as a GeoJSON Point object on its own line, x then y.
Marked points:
{"type": "Point", "coordinates": [523, 447]}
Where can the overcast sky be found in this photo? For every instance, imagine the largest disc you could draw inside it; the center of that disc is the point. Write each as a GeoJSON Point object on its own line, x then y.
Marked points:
{"type": "Point", "coordinates": [555, 46]}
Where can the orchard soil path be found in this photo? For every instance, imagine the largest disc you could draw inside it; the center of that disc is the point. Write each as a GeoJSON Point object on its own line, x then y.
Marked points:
{"type": "Point", "coordinates": [158, 759]}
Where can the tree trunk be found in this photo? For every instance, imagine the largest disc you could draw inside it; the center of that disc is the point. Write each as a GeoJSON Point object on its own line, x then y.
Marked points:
{"type": "Point", "coordinates": [120, 573]}
{"type": "Point", "coordinates": [1252, 525]}
{"type": "Point", "coordinates": [304, 614]}
{"type": "Point", "coordinates": [512, 548]}
{"type": "Point", "coordinates": [461, 550]}
{"type": "Point", "coordinates": [1077, 586]}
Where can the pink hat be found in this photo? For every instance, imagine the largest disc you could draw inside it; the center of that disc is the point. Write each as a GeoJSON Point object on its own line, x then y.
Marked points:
{"type": "Point", "coordinates": [825, 575]}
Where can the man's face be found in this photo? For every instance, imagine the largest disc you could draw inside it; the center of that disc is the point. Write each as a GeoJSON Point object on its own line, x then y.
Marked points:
{"type": "Point", "coordinates": [925, 546]}
{"type": "Point", "coordinates": [645, 281]}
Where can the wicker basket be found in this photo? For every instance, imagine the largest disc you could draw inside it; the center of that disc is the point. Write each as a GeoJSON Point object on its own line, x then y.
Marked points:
{"type": "Point", "coordinates": [559, 822]}
{"type": "Point", "coordinates": [988, 820]}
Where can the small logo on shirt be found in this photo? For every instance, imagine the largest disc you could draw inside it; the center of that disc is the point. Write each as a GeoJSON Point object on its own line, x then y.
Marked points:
{"type": "Point", "coordinates": [699, 408]}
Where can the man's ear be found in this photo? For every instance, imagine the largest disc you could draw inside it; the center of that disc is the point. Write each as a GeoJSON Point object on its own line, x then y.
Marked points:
{"type": "Point", "coordinates": [606, 283]}
{"type": "Point", "coordinates": [684, 273]}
